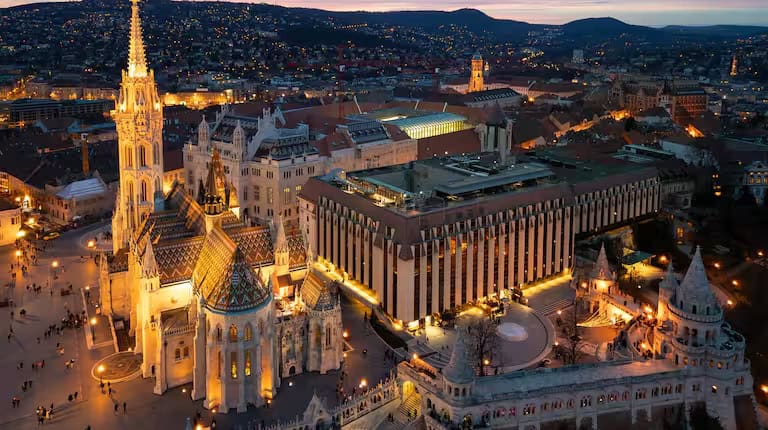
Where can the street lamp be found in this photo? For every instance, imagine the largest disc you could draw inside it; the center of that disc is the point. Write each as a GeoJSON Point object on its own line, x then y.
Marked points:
{"type": "Point", "coordinates": [100, 371]}
{"type": "Point", "coordinates": [93, 329]}
{"type": "Point", "coordinates": [52, 273]}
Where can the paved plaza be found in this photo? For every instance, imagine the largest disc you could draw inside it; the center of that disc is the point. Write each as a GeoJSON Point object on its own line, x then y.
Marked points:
{"type": "Point", "coordinates": [54, 383]}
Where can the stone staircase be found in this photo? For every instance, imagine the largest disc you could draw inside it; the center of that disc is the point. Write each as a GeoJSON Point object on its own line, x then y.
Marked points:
{"type": "Point", "coordinates": [553, 307]}
{"type": "Point", "coordinates": [400, 419]}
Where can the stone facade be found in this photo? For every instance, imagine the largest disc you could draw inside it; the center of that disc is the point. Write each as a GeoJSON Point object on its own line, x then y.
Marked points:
{"type": "Point", "coordinates": [210, 299]}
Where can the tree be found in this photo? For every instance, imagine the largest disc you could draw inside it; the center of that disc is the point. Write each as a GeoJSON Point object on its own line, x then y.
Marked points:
{"type": "Point", "coordinates": [572, 349]}
{"type": "Point", "coordinates": [701, 420]}
{"type": "Point", "coordinates": [482, 341]}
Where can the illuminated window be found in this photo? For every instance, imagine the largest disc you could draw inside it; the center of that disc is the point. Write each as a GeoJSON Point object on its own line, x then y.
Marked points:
{"type": "Point", "coordinates": [233, 364]}
{"type": "Point", "coordinates": [248, 332]}
{"type": "Point", "coordinates": [232, 333]}
{"type": "Point", "coordinates": [218, 364]}
{"type": "Point", "coordinates": [248, 362]}
{"type": "Point", "coordinates": [177, 354]}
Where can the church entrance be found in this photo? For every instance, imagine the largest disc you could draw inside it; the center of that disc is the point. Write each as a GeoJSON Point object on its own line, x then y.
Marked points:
{"type": "Point", "coordinates": [292, 371]}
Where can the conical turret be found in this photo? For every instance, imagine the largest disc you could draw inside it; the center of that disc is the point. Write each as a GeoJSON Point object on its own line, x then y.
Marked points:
{"type": "Point", "coordinates": [694, 292]}
{"type": "Point", "coordinates": [602, 269]}
{"type": "Point", "coordinates": [203, 133]}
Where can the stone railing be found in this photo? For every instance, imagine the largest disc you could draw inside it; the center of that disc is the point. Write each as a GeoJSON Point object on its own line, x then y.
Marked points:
{"type": "Point", "coordinates": [180, 330]}
{"type": "Point", "coordinates": [373, 399]}
{"type": "Point", "coordinates": [349, 411]}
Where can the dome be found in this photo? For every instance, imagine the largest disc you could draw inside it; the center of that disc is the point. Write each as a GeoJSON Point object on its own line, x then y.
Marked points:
{"type": "Point", "coordinates": [477, 57]}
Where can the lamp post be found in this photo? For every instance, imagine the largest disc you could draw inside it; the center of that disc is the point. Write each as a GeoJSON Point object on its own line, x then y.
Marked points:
{"type": "Point", "coordinates": [52, 273]}
{"type": "Point", "coordinates": [100, 371]}
{"type": "Point", "coordinates": [91, 246]}
{"type": "Point", "coordinates": [93, 329]}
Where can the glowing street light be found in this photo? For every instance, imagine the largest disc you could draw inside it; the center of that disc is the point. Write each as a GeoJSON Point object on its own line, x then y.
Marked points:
{"type": "Point", "coordinates": [559, 312]}
{"type": "Point", "coordinates": [93, 329]}
{"type": "Point", "coordinates": [735, 283]}
{"type": "Point", "coordinates": [760, 253]}
{"type": "Point", "coordinates": [486, 362]}
{"type": "Point", "coordinates": [764, 388]}
{"type": "Point", "coordinates": [55, 264]}
{"type": "Point", "coordinates": [363, 383]}
{"type": "Point", "coordinates": [21, 233]}
{"type": "Point", "coordinates": [717, 265]}
{"type": "Point", "coordinates": [730, 302]}
{"type": "Point", "coordinates": [415, 356]}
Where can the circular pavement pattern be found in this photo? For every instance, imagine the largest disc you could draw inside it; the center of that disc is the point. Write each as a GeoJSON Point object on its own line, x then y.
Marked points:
{"type": "Point", "coordinates": [525, 337]}
{"type": "Point", "coordinates": [512, 332]}
{"type": "Point", "coordinates": [118, 367]}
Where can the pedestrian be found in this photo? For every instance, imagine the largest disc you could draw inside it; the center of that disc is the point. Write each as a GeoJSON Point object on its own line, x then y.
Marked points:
{"type": "Point", "coordinates": [125, 408]}
{"type": "Point", "coordinates": [30, 383]}
{"type": "Point", "coordinates": [110, 391]}
{"type": "Point", "coordinates": [115, 408]}
{"type": "Point", "coordinates": [75, 395]}
{"type": "Point", "coordinates": [69, 398]}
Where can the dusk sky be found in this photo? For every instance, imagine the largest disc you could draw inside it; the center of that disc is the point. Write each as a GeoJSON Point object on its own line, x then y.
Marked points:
{"type": "Point", "coordinates": [644, 12]}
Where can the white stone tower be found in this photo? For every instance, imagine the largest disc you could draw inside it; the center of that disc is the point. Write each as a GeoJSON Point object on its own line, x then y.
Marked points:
{"type": "Point", "coordinates": [138, 116]}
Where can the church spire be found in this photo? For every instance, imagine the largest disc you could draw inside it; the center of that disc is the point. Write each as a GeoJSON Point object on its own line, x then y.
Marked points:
{"type": "Point", "coordinates": [137, 60]}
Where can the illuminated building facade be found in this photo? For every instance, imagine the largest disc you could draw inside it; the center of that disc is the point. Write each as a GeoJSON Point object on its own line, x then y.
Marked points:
{"type": "Point", "coordinates": [270, 163]}
{"type": "Point", "coordinates": [694, 359]}
{"type": "Point", "coordinates": [230, 308]}
{"type": "Point", "coordinates": [476, 74]}
{"type": "Point", "coordinates": [139, 121]}
{"type": "Point", "coordinates": [435, 234]}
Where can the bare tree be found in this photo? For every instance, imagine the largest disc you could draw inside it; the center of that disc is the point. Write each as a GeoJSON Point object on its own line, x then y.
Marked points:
{"type": "Point", "coordinates": [482, 341]}
{"type": "Point", "coordinates": [572, 350]}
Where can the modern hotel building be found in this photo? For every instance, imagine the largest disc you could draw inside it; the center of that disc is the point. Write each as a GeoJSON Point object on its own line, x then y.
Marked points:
{"type": "Point", "coordinates": [427, 236]}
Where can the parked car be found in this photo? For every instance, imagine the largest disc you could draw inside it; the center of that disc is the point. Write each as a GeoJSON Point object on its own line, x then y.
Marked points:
{"type": "Point", "coordinates": [51, 235]}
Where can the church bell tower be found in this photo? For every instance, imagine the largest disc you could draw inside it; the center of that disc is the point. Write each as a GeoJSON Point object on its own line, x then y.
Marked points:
{"type": "Point", "coordinates": [138, 116]}
{"type": "Point", "coordinates": [476, 78]}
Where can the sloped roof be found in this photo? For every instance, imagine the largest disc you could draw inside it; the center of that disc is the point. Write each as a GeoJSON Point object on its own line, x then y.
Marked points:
{"type": "Point", "coordinates": [83, 189]}
{"type": "Point", "coordinates": [316, 293]}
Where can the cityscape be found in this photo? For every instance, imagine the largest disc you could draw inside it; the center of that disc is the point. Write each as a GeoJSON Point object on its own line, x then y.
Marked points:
{"type": "Point", "coordinates": [251, 216]}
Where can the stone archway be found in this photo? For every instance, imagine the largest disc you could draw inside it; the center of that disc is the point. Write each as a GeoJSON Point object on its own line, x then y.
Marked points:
{"type": "Point", "coordinates": [408, 389]}
{"type": "Point", "coordinates": [292, 371]}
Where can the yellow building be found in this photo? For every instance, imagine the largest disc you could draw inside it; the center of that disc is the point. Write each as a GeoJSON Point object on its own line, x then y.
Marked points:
{"type": "Point", "coordinates": [476, 78]}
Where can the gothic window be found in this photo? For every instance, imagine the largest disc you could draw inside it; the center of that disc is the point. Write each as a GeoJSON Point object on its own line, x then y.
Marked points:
{"type": "Point", "coordinates": [130, 193]}
{"type": "Point", "coordinates": [248, 335]}
{"type": "Point", "coordinates": [157, 186]}
{"type": "Point", "coordinates": [218, 364]}
{"type": "Point", "coordinates": [143, 196]}
{"type": "Point", "coordinates": [218, 333]}
{"type": "Point", "coordinates": [142, 156]}
{"type": "Point", "coordinates": [233, 364]}
{"type": "Point", "coordinates": [248, 362]}
{"type": "Point", "coordinates": [155, 154]}
{"type": "Point", "coordinates": [232, 333]}
{"type": "Point", "coordinates": [327, 337]}
{"type": "Point", "coordinates": [129, 156]}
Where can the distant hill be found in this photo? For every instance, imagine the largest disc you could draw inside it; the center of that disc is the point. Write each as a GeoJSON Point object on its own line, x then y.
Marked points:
{"type": "Point", "coordinates": [473, 19]}
{"type": "Point", "coordinates": [606, 26]}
